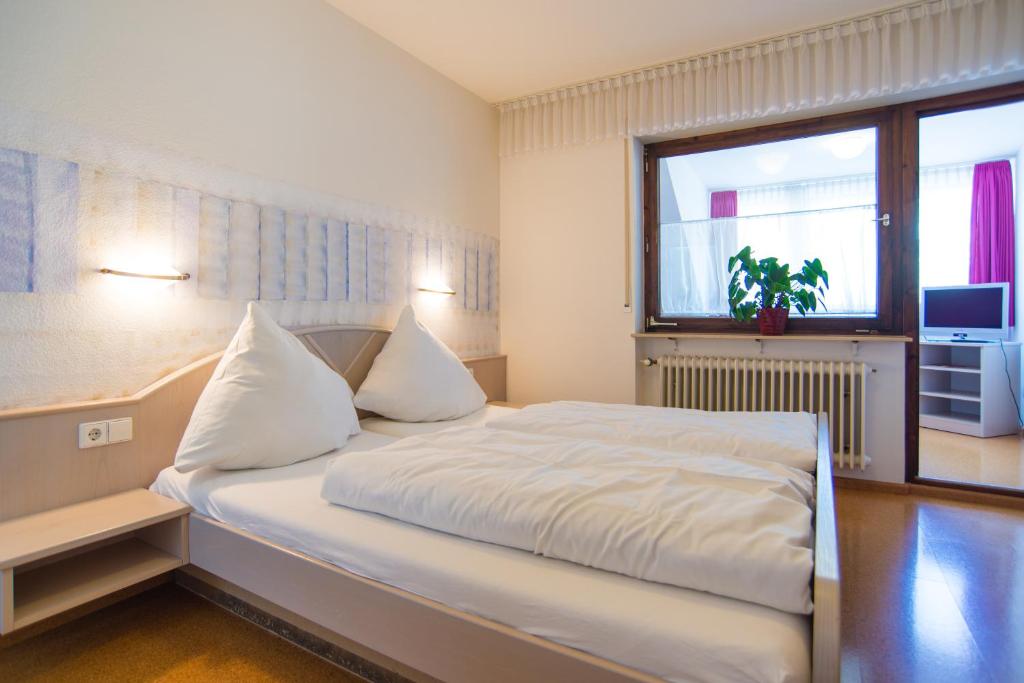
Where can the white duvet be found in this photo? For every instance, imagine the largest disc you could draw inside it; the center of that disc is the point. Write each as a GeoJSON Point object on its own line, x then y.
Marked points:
{"type": "Point", "coordinates": [787, 438]}
{"type": "Point", "coordinates": [735, 527]}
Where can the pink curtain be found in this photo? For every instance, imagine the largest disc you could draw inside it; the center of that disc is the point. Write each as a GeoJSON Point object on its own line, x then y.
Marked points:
{"type": "Point", "coordinates": [723, 204]}
{"type": "Point", "coordinates": [992, 229]}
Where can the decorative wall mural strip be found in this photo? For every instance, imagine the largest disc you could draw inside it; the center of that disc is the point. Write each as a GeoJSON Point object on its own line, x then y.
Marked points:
{"type": "Point", "coordinates": [357, 264]}
{"type": "Point", "coordinates": [295, 276]}
{"type": "Point", "coordinates": [316, 258]}
{"type": "Point", "coordinates": [214, 229]}
{"type": "Point", "coordinates": [55, 253]}
{"type": "Point", "coordinates": [236, 250]}
{"type": "Point", "coordinates": [244, 251]}
{"type": "Point", "coordinates": [337, 260]}
{"type": "Point", "coordinates": [38, 239]}
{"type": "Point", "coordinates": [186, 240]}
{"type": "Point", "coordinates": [272, 254]}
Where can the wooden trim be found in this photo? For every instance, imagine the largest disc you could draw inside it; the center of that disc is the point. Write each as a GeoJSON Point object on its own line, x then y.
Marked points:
{"type": "Point", "coordinates": [887, 122]}
{"type": "Point", "coordinates": [796, 337]}
{"type": "Point", "coordinates": [825, 645]}
{"type": "Point", "coordinates": [106, 403]}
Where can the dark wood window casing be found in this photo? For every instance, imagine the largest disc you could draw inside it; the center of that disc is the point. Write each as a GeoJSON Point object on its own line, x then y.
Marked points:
{"type": "Point", "coordinates": [889, 319]}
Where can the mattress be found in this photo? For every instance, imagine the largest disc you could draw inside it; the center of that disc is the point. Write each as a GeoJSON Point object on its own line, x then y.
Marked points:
{"type": "Point", "coordinates": [674, 633]}
{"type": "Point", "coordinates": [382, 425]}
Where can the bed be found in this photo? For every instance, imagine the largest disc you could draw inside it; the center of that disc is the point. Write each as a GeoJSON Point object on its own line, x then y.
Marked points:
{"type": "Point", "coordinates": [432, 606]}
{"type": "Point", "coordinates": [668, 632]}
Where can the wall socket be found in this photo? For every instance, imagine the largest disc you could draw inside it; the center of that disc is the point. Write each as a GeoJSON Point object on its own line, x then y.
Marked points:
{"type": "Point", "coordinates": [93, 434]}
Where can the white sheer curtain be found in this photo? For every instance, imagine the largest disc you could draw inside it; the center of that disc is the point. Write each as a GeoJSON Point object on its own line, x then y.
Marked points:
{"type": "Point", "coordinates": [830, 219]}
{"type": "Point", "coordinates": [910, 48]}
{"type": "Point", "coordinates": [693, 257]}
{"type": "Point", "coordinates": [944, 224]}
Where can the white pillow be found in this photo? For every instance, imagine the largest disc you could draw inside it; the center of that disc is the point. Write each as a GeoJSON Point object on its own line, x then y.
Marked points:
{"type": "Point", "coordinates": [416, 378]}
{"type": "Point", "coordinates": [270, 402]}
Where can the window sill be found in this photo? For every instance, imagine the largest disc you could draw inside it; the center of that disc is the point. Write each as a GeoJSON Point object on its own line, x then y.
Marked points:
{"type": "Point", "coordinates": [792, 337]}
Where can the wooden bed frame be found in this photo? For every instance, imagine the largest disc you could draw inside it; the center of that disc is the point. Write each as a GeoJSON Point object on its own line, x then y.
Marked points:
{"type": "Point", "coordinates": [417, 638]}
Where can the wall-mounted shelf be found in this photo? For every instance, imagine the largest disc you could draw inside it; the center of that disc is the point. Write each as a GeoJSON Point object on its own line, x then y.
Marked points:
{"type": "Point", "coordinates": [892, 339]}
{"type": "Point", "coordinates": [56, 560]}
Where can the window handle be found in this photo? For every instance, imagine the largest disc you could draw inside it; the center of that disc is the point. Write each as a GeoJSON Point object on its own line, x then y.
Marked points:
{"type": "Point", "coordinates": [884, 220]}
{"type": "Point", "coordinates": [651, 322]}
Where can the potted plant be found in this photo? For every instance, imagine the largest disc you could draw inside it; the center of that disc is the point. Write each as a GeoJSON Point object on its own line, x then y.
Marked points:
{"type": "Point", "coordinates": [774, 290]}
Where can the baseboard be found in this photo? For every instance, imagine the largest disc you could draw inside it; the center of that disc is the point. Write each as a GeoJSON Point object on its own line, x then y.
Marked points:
{"type": "Point", "coordinates": [871, 485]}
{"type": "Point", "coordinates": [951, 493]}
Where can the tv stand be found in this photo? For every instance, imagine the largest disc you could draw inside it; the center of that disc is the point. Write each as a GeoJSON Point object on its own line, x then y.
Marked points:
{"type": "Point", "coordinates": [964, 388]}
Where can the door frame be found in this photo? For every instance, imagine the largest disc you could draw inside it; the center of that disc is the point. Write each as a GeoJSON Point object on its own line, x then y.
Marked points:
{"type": "Point", "coordinates": [912, 113]}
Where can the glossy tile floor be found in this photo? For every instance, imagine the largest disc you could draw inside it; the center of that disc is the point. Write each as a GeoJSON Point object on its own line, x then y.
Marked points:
{"type": "Point", "coordinates": [996, 461]}
{"type": "Point", "coordinates": [933, 590]}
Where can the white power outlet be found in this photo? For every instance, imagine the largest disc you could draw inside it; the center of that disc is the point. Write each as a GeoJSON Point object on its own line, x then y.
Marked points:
{"type": "Point", "coordinates": [93, 434]}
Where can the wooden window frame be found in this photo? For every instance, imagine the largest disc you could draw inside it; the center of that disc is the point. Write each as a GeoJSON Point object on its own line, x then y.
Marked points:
{"type": "Point", "coordinates": [889, 319]}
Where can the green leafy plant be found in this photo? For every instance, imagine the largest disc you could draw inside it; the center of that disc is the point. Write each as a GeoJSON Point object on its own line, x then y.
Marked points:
{"type": "Point", "coordinates": [773, 285]}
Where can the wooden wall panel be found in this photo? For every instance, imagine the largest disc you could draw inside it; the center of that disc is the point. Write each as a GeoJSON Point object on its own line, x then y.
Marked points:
{"type": "Point", "coordinates": [41, 466]}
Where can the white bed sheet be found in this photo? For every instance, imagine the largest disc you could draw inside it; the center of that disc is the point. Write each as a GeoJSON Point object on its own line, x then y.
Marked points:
{"type": "Point", "coordinates": [382, 425]}
{"type": "Point", "coordinates": [674, 633]}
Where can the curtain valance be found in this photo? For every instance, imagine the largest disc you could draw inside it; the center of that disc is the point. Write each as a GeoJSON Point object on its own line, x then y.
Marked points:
{"type": "Point", "coordinates": [896, 51]}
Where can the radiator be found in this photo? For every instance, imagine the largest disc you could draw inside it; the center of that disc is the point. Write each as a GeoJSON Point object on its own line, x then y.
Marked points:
{"type": "Point", "coordinates": [756, 384]}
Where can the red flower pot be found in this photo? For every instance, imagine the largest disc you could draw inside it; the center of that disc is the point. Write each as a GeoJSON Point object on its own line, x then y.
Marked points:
{"type": "Point", "coordinates": [772, 320]}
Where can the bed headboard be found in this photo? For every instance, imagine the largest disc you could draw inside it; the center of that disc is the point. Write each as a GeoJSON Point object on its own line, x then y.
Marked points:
{"type": "Point", "coordinates": [41, 466]}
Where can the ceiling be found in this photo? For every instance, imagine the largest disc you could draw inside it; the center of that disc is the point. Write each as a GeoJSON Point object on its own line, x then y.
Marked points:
{"type": "Point", "coordinates": [967, 136]}
{"type": "Point", "coordinates": [502, 49]}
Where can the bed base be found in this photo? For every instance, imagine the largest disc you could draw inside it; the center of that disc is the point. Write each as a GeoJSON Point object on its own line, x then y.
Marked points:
{"type": "Point", "coordinates": [427, 637]}
{"type": "Point", "coordinates": [424, 640]}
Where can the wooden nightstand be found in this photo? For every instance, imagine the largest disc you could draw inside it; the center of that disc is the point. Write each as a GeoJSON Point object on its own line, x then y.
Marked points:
{"type": "Point", "coordinates": [53, 561]}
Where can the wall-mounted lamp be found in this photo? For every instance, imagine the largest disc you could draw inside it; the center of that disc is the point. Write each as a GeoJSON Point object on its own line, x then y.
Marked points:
{"type": "Point", "coordinates": [175, 277]}
{"type": "Point", "coordinates": [439, 289]}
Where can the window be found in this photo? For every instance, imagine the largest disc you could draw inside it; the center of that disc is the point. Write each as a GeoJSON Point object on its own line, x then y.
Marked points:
{"type": "Point", "coordinates": [796, 191]}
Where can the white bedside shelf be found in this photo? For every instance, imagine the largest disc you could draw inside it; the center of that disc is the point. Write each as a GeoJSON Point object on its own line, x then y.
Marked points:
{"type": "Point", "coordinates": [53, 561]}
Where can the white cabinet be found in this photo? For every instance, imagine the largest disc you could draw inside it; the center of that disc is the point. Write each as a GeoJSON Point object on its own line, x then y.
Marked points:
{"type": "Point", "coordinates": [969, 387]}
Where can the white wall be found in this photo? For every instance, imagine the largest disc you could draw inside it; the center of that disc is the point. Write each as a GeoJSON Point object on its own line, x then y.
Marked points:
{"type": "Point", "coordinates": [564, 323]}
{"type": "Point", "coordinates": [288, 90]}
{"type": "Point", "coordinates": [562, 317]}
{"type": "Point", "coordinates": [691, 193]}
{"type": "Point", "coordinates": [284, 103]}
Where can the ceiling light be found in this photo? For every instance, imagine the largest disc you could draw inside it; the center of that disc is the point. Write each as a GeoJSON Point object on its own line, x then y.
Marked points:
{"type": "Point", "coordinates": [848, 145]}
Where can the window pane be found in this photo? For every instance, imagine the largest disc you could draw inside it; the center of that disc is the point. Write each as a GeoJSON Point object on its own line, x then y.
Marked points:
{"type": "Point", "coordinates": [794, 200]}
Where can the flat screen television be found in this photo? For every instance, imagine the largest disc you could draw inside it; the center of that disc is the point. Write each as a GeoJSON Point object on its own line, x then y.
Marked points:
{"type": "Point", "coordinates": [966, 312]}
